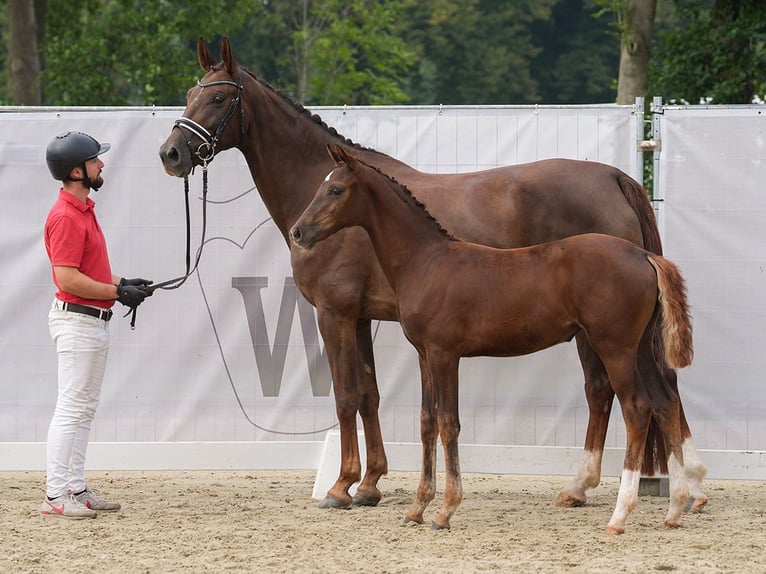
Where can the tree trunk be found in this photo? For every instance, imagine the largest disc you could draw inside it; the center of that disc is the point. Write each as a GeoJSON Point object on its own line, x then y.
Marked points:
{"type": "Point", "coordinates": [23, 56]}
{"type": "Point", "coordinates": [636, 33]}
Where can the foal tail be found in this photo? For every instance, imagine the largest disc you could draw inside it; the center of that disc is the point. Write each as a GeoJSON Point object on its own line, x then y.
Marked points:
{"type": "Point", "coordinates": [676, 319]}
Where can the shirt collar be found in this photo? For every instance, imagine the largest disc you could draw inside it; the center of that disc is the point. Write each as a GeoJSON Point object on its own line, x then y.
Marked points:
{"type": "Point", "coordinates": [74, 201]}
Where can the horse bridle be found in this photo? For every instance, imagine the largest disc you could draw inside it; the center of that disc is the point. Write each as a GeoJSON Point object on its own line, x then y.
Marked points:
{"type": "Point", "coordinates": [205, 152]}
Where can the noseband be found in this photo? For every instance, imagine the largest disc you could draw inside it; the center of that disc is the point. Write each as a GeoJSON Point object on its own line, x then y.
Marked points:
{"type": "Point", "coordinates": [206, 150]}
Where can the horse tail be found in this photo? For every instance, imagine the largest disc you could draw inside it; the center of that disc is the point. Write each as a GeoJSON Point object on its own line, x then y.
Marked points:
{"type": "Point", "coordinates": [655, 458]}
{"type": "Point", "coordinates": [638, 200]}
{"type": "Point", "coordinates": [676, 319]}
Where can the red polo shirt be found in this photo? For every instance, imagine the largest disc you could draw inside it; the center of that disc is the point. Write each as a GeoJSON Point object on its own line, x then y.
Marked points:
{"type": "Point", "coordinates": [73, 238]}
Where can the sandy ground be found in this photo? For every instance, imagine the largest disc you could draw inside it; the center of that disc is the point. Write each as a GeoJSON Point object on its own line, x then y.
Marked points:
{"type": "Point", "coordinates": [267, 522]}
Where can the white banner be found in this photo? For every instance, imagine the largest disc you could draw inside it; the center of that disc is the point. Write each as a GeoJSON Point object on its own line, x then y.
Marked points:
{"type": "Point", "coordinates": [200, 366]}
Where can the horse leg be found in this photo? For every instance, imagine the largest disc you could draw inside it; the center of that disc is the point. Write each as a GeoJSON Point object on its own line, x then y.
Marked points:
{"type": "Point", "coordinates": [443, 370]}
{"type": "Point", "coordinates": [339, 335]}
{"type": "Point", "coordinates": [428, 430]}
{"type": "Point", "coordinates": [600, 397]}
{"type": "Point", "coordinates": [367, 493]}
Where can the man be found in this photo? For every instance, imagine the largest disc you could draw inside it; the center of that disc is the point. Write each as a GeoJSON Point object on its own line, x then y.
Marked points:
{"type": "Point", "coordinates": [78, 320]}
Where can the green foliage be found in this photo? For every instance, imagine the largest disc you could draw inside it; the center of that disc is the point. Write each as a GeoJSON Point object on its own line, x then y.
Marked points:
{"type": "Point", "coordinates": [580, 54]}
{"type": "Point", "coordinates": [357, 59]}
{"type": "Point", "coordinates": [129, 52]}
{"type": "Point", "coordinates": [712, 54]}
{"type": "Point", "coordinates": [330, 52]}
{"type": "Point", "coordinates": [475, 51]}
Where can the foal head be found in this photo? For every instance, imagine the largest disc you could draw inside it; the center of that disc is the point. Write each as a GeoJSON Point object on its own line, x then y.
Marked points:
{"type": "Point", "coordinates": [334, 206]}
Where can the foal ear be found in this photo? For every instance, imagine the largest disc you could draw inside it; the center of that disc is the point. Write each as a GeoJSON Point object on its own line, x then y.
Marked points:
{"type": "Point", "coordinates": [227, 57]}
{"type": "Point", "coordinates": [206, 59]}
{"type": "Point", "coordinates": [339, 155]}
{"type": "Point", "coordinates": [336, 153]}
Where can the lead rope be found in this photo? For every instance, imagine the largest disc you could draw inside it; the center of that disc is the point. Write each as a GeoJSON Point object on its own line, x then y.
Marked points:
{"type": "Point", "coordinates": [176, 282]}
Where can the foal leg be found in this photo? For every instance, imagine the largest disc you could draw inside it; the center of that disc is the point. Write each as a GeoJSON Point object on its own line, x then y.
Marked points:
{"type": "Point", "coordinates": [666, 409]}
{"type": "Point", "coordinates": [367, 493]}
{"type": "Point", "coordinates": [428, 432]}
{"type": "Point", "coordinates": [694, 467]}
{"type": "Point", "coordinates": [636, 412]}
{"type": "Point", "coordinates": [600, 397]}
{"type": "Point", "coordinates": [443, 370]}
{"type": "Point", "coordinates": [695, 474]}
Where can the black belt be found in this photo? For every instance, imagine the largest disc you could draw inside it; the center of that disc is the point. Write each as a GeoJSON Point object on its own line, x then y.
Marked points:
{"type": "Point", "coordinates": [103, 314]}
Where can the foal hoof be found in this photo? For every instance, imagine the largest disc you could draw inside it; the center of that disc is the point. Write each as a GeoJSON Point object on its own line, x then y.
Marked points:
{"type": "Point", "coordinates": [332, 502]}
{"type": "Point", "coordinates": [696, 504]}
{"type": "Point", "coordinates": [407, 521]}
{"type": "Point", "coordinates": [437, 526]}
{"type": "Point", "coordinates": [566, 500]}
{"type": "Point", "coordinates": [365, 499]}
{"type": "Point", "coordinates": [672, 524]}
{"type": "Point", "coordinates": [613, 530]}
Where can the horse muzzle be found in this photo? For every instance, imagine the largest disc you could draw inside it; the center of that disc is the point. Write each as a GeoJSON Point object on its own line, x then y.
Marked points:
{"type": "Point", "coordinates": [302, 236]}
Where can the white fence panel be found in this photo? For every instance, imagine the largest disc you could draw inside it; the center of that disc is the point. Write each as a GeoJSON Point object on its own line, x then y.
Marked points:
{"type": "Point", "coordinates": [712, 181]}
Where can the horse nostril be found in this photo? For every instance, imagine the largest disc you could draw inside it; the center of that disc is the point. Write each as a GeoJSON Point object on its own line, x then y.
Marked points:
{"type": "Point", "coordinates": [296, 234]}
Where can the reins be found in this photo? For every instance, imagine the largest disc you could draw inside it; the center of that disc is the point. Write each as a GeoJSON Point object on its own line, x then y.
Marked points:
{"type": "Point", "coordinates": [205, 152]}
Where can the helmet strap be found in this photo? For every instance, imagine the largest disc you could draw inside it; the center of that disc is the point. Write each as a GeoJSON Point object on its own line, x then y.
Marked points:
{"type": "Point", "coordinates": [86, 182]}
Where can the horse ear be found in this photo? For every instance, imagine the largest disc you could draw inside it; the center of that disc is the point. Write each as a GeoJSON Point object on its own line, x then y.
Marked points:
{"type": "Point", "coordinates": [227, 57]}
{"type": "Point", "coordinates": [206, 59]}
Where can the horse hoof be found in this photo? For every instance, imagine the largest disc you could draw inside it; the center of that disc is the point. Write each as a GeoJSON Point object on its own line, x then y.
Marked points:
{"type": "Point", "coordinates": [364, 499]}
{"type": "Point", "coordinates": [332, 502]}
{"type": "Point", "coordinates": [437, 526]}
{"type": "Point", "coordinates": [566, 500]}
{"type": "Point", "coordinates": [613, 530]}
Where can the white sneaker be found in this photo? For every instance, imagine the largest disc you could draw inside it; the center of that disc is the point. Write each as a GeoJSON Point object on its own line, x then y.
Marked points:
{"type": "Point", "coordinates": [66, 506]}
{"type": "Point", "coordinates": [93, 500]}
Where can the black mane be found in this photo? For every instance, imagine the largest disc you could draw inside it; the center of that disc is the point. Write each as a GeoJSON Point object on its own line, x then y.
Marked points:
{"type": "Point", "coordinates": [307, 114]}
{"type": "Point", "coordinates": [418, 204]}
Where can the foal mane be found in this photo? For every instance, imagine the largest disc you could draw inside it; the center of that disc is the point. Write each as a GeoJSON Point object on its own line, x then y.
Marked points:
{"type": "Point", "coordinates": [408, 197]}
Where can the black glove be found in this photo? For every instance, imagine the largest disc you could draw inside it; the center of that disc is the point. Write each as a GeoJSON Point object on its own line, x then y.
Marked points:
{"type": "Point", "coordinates": [130, 295]}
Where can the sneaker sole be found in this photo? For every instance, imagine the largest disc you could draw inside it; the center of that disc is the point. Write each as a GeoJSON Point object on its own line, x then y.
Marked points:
{"type": "Point", "coordinates": [55, 515]}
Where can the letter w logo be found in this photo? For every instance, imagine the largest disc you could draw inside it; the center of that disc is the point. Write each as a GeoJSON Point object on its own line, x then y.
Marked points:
{"type": "Point", "coordinates": [271, 361]}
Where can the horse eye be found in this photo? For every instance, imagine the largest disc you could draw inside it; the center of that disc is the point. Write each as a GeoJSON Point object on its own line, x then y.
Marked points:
{"type": "Point", "coordinates": [335, 190]}
{"type": "Point", "coordinates": [218, 99]}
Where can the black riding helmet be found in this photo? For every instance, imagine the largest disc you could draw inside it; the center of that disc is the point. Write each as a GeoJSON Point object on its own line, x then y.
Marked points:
{"type": "Point", "coordinates": [68, 150]}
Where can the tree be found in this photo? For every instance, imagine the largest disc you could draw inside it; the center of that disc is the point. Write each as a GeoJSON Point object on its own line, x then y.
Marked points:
{"type": "Point", "coordinates": [329, 52]}
{"type": "Point", "coordinates": [712, 53]}
{"type": "Point", "coordinates": [635, 20]}
{"type": "Point", "coordinates": [578, 62]}
{"type": "Point", "coordinates": [24, 32]}
{"type": "Point", "coordinates": [475, 51]}
{"type": "Point", "coordinates": [133, 52]}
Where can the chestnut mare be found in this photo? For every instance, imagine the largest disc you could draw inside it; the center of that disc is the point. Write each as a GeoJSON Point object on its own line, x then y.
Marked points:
{"type": "Point", "coordinates": [514, 206]}
{"type": "Point", "coordinates": [458, 299]}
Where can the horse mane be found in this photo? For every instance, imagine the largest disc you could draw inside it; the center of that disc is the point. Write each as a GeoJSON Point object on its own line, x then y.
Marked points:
{"type": "Point", "coordinates": [404, 190]}
{"type": "Point", "coordinates": [302, 111]}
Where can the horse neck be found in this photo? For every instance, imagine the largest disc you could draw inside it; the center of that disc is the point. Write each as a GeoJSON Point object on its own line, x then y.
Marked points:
{"type": "Point", "coordinates": [403, 234]}
{"type": "Point", "coordinates": [286, 153]}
